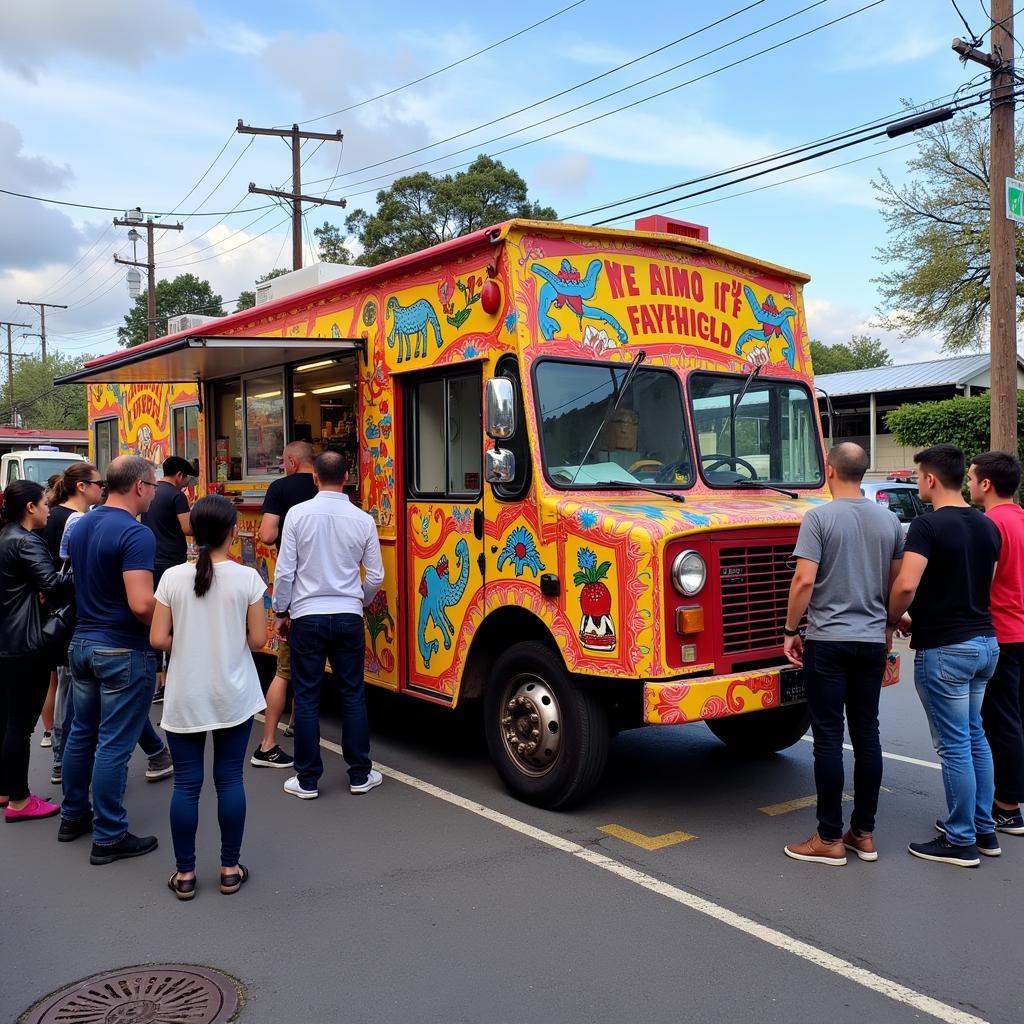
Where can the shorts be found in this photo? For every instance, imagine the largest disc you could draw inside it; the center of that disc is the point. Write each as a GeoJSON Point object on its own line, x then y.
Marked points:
{"type": "Point", "coordinates": [284, 660]}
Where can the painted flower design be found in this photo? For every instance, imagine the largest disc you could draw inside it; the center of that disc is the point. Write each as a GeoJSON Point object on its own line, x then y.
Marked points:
{"type": "Point", "coordinates": [510, 321]}
{"type": "Point", "coordinates": [586, 518]}
{"type": "Point", "coordinates": [595, 598]}
{"type": "Point", "coordinates": [521, 550]}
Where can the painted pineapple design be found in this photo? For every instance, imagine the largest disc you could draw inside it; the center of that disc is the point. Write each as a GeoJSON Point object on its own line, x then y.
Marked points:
{"type": "Point", "coordinates": [597, 632]}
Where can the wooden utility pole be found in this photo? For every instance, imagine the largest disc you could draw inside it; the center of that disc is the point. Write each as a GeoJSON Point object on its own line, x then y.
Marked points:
{"type": "Point", "coordinates": [149, 227]}
{"type": "Point", "coordinates": [42, 307]}
{"type": "Point", "coordinates": [1002, 230]}
{"type": "Point", "coordinates": [296, 197]}
{"type": "Point", "coordinates": [10, 366]}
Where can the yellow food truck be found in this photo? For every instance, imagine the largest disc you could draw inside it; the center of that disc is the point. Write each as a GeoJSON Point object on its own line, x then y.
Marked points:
{"type": "Point", "coordinates": [587, 452]}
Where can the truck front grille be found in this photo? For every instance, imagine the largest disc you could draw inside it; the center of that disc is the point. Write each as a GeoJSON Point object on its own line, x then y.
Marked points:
{"type": "Point", "coordinates": [755, 582]}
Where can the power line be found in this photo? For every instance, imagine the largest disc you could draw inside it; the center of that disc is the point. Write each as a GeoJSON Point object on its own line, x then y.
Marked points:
{"type": "Point", "coordinates": [120, 209]}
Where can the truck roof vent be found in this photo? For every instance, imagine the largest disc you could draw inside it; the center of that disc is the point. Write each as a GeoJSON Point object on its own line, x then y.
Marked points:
{"type": "Point", "coordinates": [671, 226]}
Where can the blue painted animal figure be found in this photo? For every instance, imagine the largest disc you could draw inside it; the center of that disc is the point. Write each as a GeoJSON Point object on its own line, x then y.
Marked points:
{"type": "Point", "coordinates": [439, 593]}
{"type": "Point", "coordinates": [567, 288]}
{"type": "Point", "coordinates": [409, 321]}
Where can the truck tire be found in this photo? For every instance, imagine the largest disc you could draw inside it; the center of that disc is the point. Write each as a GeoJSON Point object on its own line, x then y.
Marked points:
{"type": "Point", "coordinates": [547, 737]}
{"type": "Point", "coordinates": [763, 732]}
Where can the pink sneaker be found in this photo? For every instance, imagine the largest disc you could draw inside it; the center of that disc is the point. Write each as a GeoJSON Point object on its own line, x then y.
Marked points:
{"type": "Point", "coordinates": [35, 808]}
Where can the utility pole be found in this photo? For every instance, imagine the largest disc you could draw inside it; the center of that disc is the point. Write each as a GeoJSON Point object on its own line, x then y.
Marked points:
{"type": "Point", "coordinates": [43, 307]}
{"type": "Point", "coordinates": [133, 219]}
{"type": "Point", "coordinates": [1002, 230]}
{"type": "Point", "coordinates": [10, 365]}
{"type": "Point", "coordinates": [295, 196]}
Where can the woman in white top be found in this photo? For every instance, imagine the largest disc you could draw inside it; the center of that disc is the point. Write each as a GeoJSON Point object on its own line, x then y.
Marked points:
{"type": "Point", "coordinates": [213, 613]}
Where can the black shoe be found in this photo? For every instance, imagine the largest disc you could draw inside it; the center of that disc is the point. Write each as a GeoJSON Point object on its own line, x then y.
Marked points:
{"type": "Point", "coordinates": [275, 757]}
{"type": "Point", "coordinates": [69, 831]}
{"type": "Point", "coordinates": [158, 697]}
{"type": "Point", "coordinates": [1010, 822]}
{"type": "Point", "coordinates": [986, 842]}
{"type": "Point", "coordinates": [130, 846]}
{"type": "Point", "coordinates": [55, 775]}
{"type": "Point", "coordinates": [943, 851]}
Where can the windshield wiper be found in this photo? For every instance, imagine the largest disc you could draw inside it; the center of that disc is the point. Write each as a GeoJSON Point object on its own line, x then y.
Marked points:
{"type": "Point", "coordinates": [626, 485]}
{"type": "Point", "coordinates": [758, 485]}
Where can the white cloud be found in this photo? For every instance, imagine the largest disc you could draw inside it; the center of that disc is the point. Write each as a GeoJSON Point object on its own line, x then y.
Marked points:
{"type": "Point", "coordinates": [862, 51]}
{"type": "Point", "coordinates": [566, 175]}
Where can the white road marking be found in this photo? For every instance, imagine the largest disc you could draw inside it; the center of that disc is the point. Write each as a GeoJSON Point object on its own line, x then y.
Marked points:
{"type": "Point", "coordinates": [780, 940]}
{"type": "Point", "coordinates": [891, 757]}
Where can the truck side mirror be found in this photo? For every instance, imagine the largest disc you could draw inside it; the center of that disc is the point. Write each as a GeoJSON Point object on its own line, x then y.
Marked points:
{"type": "Point", "coordinates": [499, 466]}
{"type": "Point", "coordinates": [501, 410]}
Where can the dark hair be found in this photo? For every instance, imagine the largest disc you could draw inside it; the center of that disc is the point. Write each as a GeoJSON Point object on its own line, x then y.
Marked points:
{"type": "Point", "coordinates": [126, 471]}
{"type": "Point", "coordinates": [945, 462]}
{"type": "Point", "coordinates": [330, 468]}
{"type": "Point", "coordinates": [51, 489]}
{"type": "Point", "coordinates": [849, 460]}
{"type": "Point", "coordinates": [67, 486]}
{"type": "Point", "coordinates": [17, 498]}
{"type": "Point", "coordinates": [176, 464]}
{"type": "Point", "coordinates": [1001, 468]}
{"type": "Point", "coordinates": [212, 518]}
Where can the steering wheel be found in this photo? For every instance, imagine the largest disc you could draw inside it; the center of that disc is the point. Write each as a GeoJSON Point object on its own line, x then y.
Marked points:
{"type": "Point", "coordinates": [669, 472]}
{"type": "Point", "coordinates": [734, 461]}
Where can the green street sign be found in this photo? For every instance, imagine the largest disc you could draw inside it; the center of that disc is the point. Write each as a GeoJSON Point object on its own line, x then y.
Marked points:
{"type": "Point", "coordinates": [1015, 200]}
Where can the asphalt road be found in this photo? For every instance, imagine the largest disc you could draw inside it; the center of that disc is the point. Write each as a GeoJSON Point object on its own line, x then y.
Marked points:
{"type": "Point", "coordinates": [437, 897]}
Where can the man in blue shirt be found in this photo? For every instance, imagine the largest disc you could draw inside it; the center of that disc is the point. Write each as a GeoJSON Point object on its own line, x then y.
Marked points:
{"type": "Point", "coordinates": [112, 665]}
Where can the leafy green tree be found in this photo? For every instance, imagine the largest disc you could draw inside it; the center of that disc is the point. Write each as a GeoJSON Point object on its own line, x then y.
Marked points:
{"type": "Point", "coordinates": [331, 248]}
{"type": "Point", "coordinates": [961, 421]}
{"type": "Point", "coordinates": [862, 352]}
{"type": "Point", "coordinates": [248, 298]}
{"type": "Point", "coordinates": [185, 294]}
{"type": "Point", "coordinates": [39, 404]}
{"type": "Point", "coordinates": [938, 246]}
{"type": "Point", "coordinates": [421, 210]}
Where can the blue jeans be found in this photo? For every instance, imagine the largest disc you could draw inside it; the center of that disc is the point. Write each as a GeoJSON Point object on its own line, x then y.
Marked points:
{"type": "Point", "coordinates": [951, 684]}
{"type": "Point", "coordinates": [314, 640]}
{"type": "Point", "coordinates": [113, 689]}
{"type": "Point", "coordinates": [229, 749]}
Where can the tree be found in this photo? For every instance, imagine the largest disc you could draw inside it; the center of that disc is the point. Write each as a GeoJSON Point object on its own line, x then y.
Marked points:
{"type": "Point", "coordinates": [40, 405]}
{"type": "Point", "coordinates": [421, 210]}
{"type": "Point", "coordinates": [938, 246]}
{"type": "Point", "coordinates": [332, 247]}
{"type": "Point", "coordinates": [965, 422]}
{"type": "Point", "coordinates": [862, 352]}
{"type": "Point", "coordinates": [247, 299]}
{"type": "Point", "coordinates": [185, 294]}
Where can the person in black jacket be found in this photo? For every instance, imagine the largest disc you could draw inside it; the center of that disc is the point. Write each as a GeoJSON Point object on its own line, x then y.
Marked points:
{"type": "Point", "coordinates": [27, 574]}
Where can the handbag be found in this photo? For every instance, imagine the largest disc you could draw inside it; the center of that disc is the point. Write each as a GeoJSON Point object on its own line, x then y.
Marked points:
{"type": "Point", "coordinates": [59, 622]}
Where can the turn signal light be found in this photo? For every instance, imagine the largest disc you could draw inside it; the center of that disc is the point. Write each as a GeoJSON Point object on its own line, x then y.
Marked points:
{"type": "Point", "coordinates": [689, 620]}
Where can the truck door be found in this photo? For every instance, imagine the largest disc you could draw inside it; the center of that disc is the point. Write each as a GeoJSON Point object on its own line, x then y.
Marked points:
{"type": "Point", "coordinates": [444, 524]}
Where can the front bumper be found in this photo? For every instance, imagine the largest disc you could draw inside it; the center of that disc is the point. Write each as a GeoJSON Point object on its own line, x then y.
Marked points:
{"type": "Point", "coordinates": [676, 702]}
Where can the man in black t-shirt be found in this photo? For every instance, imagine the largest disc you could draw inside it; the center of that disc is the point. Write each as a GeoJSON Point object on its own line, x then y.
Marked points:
{"type": "Point", "coordinates": [282, 495]}
{"type": "Point", "coordinates": [948, 564]}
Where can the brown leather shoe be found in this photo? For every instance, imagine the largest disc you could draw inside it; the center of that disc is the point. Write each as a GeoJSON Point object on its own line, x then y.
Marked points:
{"type": "Point", "coordinates": [862, 845]}
{"type": "Point", "coordinates": [818, 851]}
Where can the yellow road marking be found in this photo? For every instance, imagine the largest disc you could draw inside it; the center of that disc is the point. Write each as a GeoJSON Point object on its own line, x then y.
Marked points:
{"type": "Point", "coordinates": [647, 842]}
{"type": "Point", "coordinates": [794, 805]}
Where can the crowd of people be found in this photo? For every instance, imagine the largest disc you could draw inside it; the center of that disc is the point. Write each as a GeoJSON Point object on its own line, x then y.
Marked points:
{"type": "Point", "coordinates": [97, 590]}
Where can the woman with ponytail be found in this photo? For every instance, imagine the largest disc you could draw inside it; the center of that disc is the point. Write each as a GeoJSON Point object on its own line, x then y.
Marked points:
{"type": "Point", "coordinates": [210, 616]}
{"type": "Point", "coordinates": [27, 574]}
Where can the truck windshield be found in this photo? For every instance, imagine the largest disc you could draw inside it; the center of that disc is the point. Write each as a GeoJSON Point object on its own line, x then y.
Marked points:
{"type": "Point", "coordinates": [771, 435]}
{"type": "Point", "coordinates": [40, 470]}
{"type": "Point", "coordinates": [643, 441]}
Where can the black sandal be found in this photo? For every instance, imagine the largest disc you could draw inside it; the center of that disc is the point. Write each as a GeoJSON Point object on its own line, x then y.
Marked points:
{"type": "Point", "coordinates": [183, 888]}
{"type": "Point", "coordinates": [230, 884]}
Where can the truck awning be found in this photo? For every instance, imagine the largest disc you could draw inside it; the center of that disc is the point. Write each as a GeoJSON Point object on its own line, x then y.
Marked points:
{"type": "Point", "coordinates": [183, 360]}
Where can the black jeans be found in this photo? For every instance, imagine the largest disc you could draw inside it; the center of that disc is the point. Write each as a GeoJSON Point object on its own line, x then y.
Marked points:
{"type": "Point", "coordinates": [1001, 714]}
{"type": "Point", "coordinates": [846, 675]}
{"type": "Point", "coordinates": [23, 686]}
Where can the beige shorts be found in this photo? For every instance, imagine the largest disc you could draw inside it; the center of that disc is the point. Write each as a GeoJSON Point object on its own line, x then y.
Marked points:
{"type": "Point", "coordinates": [284, 660]}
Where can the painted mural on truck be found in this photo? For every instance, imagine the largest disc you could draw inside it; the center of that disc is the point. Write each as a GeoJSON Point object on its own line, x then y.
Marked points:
{"type": "Point", "coordinates": [143, 412]}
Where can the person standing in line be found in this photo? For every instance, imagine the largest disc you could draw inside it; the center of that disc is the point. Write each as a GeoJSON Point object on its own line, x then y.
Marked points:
{"type": "Point", "coordinates": [210, 617]}
{"type": "Point", "coordinates": [949, 560]}
{"type": "Point", "coordinates": [847, 553]}
{"type": "Point", "coordinates": [27, 575]}
{"type": "Point", "coordinates": [113, 667]}
{"type": "Point", "coordinates": [319, 601]}
{"type": "Point", "coordinates": [994, 478]}
{"type": "Point", "coordinates": [282, 495]}
{"type": "Point", "coordinates": [168, 518]}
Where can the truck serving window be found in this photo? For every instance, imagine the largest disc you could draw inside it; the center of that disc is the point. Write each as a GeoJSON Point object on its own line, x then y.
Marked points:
{"type": "Point", "coordinates": [765, 431]}
{"type": "Point", "coordinates": [643, 441]}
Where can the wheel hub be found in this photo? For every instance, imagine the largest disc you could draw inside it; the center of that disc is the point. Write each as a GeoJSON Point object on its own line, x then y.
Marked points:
{"type": "Point", "coordinates": [531, 725]}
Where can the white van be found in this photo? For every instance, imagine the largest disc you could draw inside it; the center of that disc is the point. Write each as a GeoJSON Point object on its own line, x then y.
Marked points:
{"type": "Point", "coordinates": [37, 464]}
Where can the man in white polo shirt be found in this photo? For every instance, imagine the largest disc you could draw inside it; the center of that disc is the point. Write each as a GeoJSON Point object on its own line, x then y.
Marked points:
{"type": "Point", "coordinates": [319, 600]}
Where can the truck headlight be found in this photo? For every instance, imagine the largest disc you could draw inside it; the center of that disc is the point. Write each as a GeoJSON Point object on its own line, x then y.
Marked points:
{"type": "Point", "coordinates": [689, 573]}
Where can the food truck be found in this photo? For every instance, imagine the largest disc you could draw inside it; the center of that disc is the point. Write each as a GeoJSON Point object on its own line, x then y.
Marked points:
{"type": "Point", "coordinates": [587, 452]}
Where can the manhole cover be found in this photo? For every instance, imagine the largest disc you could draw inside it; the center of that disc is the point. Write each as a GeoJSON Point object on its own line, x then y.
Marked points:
{"type": "Point", "coordinates": [150, 994]}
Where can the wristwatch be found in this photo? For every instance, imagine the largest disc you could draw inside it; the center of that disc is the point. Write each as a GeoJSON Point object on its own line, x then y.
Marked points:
{"type": "Point", "coordinates": [790, 632]}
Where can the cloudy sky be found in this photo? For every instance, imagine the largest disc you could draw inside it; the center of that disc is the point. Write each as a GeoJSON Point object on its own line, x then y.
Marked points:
{"type": "Point", "coordinates": [118, 104]}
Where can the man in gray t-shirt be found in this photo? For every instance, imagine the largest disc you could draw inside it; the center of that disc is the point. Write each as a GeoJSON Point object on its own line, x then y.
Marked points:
{"type": "Point", "coordinates": [847, 554]}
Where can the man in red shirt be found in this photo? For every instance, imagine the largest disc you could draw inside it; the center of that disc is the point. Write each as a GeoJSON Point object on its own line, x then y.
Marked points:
{"type": "Point", "coordinates": [994, 478]}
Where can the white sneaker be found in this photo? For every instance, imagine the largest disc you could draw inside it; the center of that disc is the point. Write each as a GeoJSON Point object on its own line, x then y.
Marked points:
{"type": "Point", "coordinates": [372, 780]}
{"type": "Point", "coordinates": [292, 786]}
{"type": "Point", "coordinates": [47, 740]}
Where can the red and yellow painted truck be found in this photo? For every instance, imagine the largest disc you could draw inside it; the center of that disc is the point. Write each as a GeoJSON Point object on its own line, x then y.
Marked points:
{"type": "Point", "coordinates": [587, 452]}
